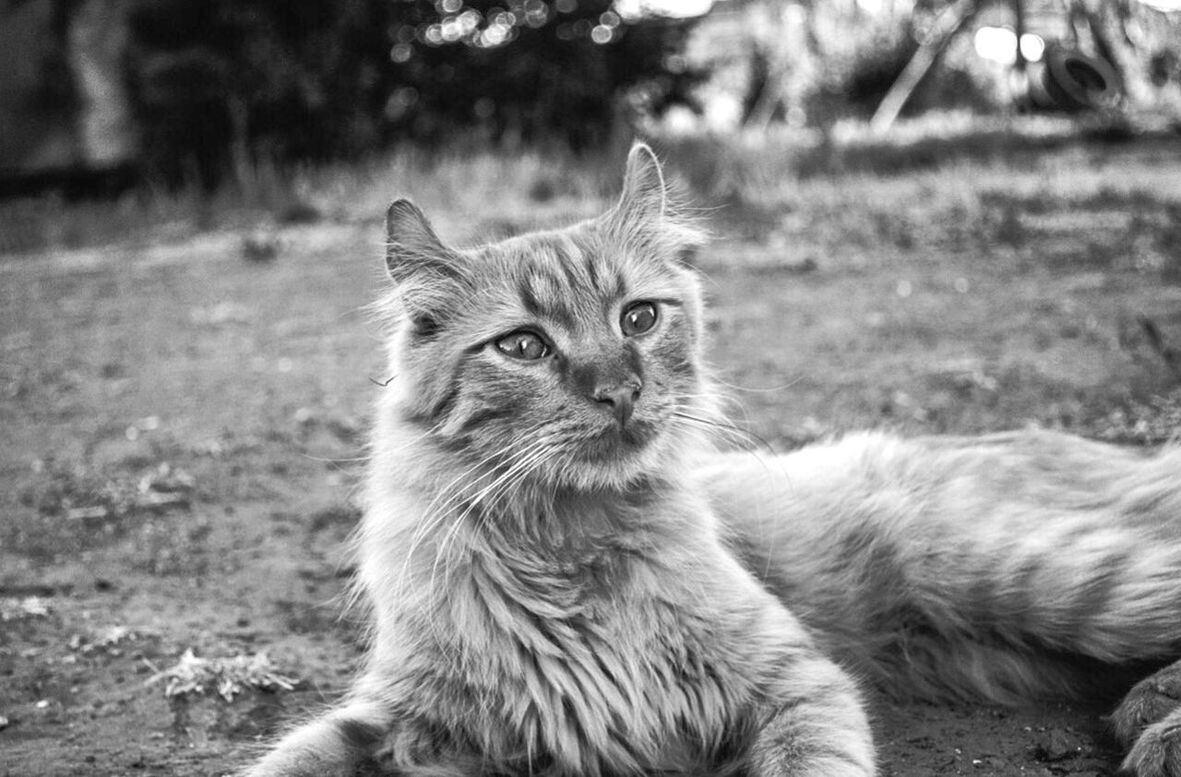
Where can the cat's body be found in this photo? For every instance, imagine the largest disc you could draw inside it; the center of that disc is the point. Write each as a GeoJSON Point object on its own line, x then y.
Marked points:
{"type": "Point", "coordinates": [566, 582]}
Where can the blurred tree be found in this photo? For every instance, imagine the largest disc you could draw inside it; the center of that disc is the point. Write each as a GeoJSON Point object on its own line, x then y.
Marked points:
{"type": "Point", "coordinates": [38, 97]}
{"type": "Point", "coordinates": [527, 69]}
{"type": "Point", "coordinates": [816, 62]}
{"type": "Point", "coordinates": [216, 84]}
{"type": "Point", "coordinates": [1109, 22]}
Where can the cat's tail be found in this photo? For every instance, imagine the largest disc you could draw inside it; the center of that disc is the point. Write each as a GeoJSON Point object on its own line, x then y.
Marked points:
{"type": "Point", "coordinates": [986, 566]}
{"type": "Point", "coordinates": [340, 743]}
{"type": "Point", "coordinates": [1063, 543]}
{"type": "Point", "coordinates": [1066, 572]}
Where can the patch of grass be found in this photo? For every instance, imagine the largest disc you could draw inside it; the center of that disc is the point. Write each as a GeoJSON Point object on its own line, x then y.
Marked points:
{"type": "Point", "coordinates": [1153, 422]}
{"type": "Point", "coordinates": [226, 676]}
{"type": "Point", "coordinates": [521, 189]}
{"type": "Point", "coordinates": [1020, 165]}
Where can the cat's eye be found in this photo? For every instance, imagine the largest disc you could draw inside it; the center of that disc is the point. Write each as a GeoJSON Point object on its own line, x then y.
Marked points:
{"type": "Point", "coordinates": [638, 318]}
{"type": "Point", "coordinates": [523, 345]}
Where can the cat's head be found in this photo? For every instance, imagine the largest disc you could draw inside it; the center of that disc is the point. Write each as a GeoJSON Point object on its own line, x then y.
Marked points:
{"type": "Point", "coordinates": [570, 357]}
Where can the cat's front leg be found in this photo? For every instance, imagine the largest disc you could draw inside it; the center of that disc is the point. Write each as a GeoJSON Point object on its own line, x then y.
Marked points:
{"type": "Point", "coordinates": [1148, 722]}
{"type": "Point", "coordinates": [1157, 751]}
{"type": "Point", "coordinates": [340, 743]}
{"type": "Point", "coordinates": [818, 728]}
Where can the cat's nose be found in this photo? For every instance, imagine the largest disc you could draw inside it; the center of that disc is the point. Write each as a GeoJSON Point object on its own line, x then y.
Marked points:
{"type": "Point", "coordinates": [621, 397]}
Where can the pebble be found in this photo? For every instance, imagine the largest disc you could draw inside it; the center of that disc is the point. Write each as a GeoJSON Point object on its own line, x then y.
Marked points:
{"type": "Point", "coordinates": [1056, 745]}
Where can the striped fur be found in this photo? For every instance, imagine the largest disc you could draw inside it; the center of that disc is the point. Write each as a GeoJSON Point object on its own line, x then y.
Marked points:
{"type": "Point", "coordinates": [559, 588]}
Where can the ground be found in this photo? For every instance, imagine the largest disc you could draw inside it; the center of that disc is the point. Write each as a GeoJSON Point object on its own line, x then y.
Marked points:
{"type": "Point", "coordinates": [182, 425]}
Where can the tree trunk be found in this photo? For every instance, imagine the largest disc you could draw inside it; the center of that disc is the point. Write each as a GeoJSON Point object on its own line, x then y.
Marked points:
{"type": "Point", "coordinates": [1107, 20]}
{"type": "Point", "coordinates": [946, 25]}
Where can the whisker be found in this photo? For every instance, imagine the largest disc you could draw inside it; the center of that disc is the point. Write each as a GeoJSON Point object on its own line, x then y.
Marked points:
{"type": "Point", "coordinates": [753, 390]}
{"type": "Point", "coordinates": [533, 454]}
{"type": "Point", "coordinates": [460, 487]}
{"type": "Point", "coordinates": [728, 430]}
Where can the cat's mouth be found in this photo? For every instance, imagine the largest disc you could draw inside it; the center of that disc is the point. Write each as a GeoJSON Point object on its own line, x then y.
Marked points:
{"type": "Point", "coordinates": [614, 440]}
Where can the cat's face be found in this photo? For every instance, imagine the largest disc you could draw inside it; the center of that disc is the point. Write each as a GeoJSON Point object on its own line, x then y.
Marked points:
{"type": "Point", "coordinates": [569, 357]}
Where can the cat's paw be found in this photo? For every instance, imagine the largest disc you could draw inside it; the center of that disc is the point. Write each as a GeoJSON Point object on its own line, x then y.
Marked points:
{"type": "Point", "coordinates": [1150, 700]}
{"type": "Point", "coordinates": [1157, 752]}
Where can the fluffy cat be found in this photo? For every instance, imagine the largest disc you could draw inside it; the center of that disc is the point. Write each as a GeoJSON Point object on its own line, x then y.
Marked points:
{"type": "Point", "coordinates": [566, 581]}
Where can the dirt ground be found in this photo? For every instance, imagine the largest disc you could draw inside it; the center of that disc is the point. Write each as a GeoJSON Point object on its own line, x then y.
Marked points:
{"type": "Point", "coordinates": [181, 429]}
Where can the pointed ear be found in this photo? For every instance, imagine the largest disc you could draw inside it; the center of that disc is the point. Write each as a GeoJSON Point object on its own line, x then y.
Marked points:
{"type": "Point", "coordinates": [411, 243]}
{"type": "Point", "coordinates": [644, 197]}
{"type": "Point", "coordinates": [645, 217]}
{"type": "Point", "coordinates": [430, 277]}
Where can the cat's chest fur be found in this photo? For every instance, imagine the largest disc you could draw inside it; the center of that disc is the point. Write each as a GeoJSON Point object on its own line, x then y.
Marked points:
{"type": "Point", "coordinates": [612, 645]}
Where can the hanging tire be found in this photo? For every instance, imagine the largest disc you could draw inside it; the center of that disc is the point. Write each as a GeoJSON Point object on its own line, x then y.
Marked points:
{"type": "Point", "coordinates": [1074, 82]}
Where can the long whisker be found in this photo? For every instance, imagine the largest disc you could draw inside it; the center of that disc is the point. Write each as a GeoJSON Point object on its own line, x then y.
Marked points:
{"type": "Point", "coordinates": [535, 452]}
{"type": "Point", "coordinates": [753, 390]}
{"type": "Point", "coordinates": [726, 430]}
{"type": "Point", "coordinates": [439, 510]}
{"type": "Point", "coordinates": [461, 486]}
{"type": "Point", "coordinates": [531, 457]}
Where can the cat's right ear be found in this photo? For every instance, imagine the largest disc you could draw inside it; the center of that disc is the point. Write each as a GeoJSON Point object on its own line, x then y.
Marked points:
{"type": "Point", "coordinates": [643, 216]}
{"type": "Point", "coordinates": [645, 196]}
{"type": "Point", "coordinates": [412, 246]}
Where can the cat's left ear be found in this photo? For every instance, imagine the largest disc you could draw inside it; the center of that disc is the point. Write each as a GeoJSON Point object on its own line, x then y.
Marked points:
{"type": "Point", "coordinates": [429, 275]}
{"type": "Point", "coordinates": [645, 196]}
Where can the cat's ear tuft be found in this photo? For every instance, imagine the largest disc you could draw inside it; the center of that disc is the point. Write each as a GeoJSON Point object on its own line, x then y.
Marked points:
{"type": "Point", "coordinates": [410, 240]}
{"type": "Point", "coordinates": [645, 196]}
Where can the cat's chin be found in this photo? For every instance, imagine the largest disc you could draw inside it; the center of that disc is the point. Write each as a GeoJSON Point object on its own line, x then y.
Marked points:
{"type": "Point", "coordinates": [614, 457]}
{"type": "Point", "coordinates": [614, 445]}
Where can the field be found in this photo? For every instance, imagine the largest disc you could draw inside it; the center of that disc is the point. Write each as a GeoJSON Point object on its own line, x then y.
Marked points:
{"type": "Point", "coordinates": [184, 394]}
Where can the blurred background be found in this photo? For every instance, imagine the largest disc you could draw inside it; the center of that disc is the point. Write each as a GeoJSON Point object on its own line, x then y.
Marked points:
{"type": "Point", "coordinates": [97, 96]}
{"type": "Point", "coordinates": [165, 106]}
{"type": "Point", "coordinates": [932, 216]}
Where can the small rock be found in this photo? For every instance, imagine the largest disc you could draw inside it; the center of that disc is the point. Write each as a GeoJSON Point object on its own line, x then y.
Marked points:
{"type": "Point", "coordinates": [122, 452]}
{"type": "Point", "coordinates": [260, 246]}
{"type": "Point", "coordinates": [88, 513]}
{"type": "Point", "coordinates": [299, 213]}
{"type": "Point", "coordinates": [1055, 745]}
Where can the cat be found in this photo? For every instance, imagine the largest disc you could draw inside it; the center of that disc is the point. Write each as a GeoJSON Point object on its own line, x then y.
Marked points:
{"type": "Point", "coordinates": [566, 579]}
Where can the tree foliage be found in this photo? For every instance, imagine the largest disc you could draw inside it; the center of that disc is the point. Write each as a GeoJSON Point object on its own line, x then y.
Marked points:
{"type": "Point", "coordinates": [218, 80]}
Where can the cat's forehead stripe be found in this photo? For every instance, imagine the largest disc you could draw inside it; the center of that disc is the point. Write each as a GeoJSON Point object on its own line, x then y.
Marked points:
{"type": "Point", "coordinates": [590, 267]}
{"type": "Point", "coordinates": [573, 261]}
{"type": "Point", "coordinates": [541, 295]}
{"type": "Point", "coordinates": [603, 271]}
{"type": "Point", "coordinates": [542, 286]}
{"type": "Point", "coordinates": [559, 271]}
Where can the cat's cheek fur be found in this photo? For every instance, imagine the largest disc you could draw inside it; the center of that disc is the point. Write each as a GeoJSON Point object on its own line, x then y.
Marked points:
{"type": "Point", "coordinates": [423, 377]}
{"type": "Point", "coordinates": [487, 399]}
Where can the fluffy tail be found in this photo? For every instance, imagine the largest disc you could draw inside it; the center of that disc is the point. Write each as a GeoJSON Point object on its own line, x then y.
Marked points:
{"type": "Point", "coordinates": [989, 566]}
